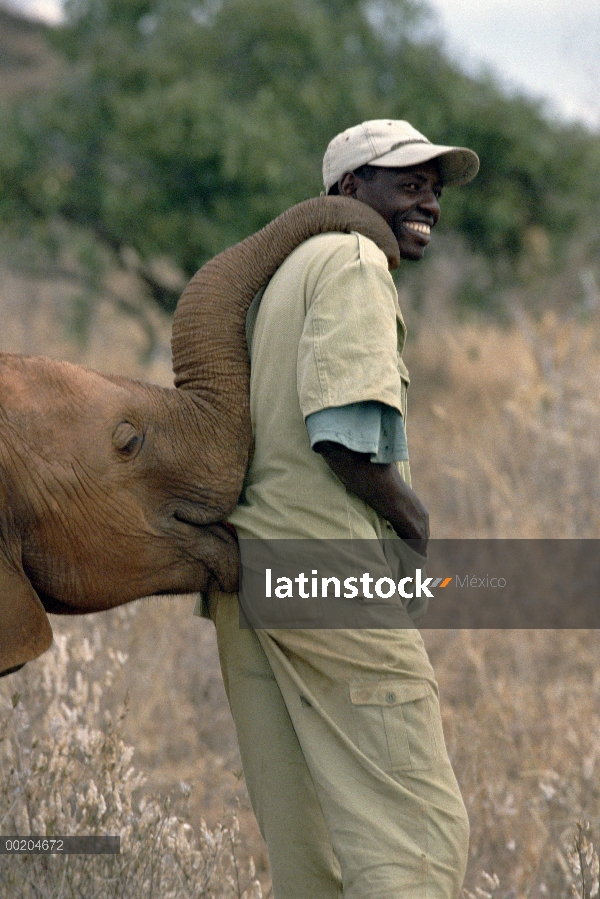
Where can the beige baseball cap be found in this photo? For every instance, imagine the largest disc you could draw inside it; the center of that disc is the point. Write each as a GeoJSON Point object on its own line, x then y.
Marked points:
{"type": "Point", "coordinates": [394, 144]}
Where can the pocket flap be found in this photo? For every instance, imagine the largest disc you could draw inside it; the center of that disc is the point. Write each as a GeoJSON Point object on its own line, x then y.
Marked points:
{"type": "Point", "coordinates": [388, 693]}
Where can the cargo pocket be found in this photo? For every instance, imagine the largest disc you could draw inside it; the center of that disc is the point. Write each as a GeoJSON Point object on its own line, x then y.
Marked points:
{"type": "Point", "coordinates": [394, 724]}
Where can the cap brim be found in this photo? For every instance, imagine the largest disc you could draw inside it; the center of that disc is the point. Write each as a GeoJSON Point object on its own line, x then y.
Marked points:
{"type": "Point", "coordinates": [458, 165]}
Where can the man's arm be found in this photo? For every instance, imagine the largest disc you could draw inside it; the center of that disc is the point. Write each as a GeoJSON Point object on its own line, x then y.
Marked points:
{"type": "Point", "coordinates": [383, 489]}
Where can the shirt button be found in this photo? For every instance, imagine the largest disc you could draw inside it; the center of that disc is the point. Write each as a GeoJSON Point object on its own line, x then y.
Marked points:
{"type": "Point", "coordinates": [390, 697]}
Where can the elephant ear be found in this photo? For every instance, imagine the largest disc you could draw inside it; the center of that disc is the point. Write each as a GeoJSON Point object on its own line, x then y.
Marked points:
{"type": "Point", "coordinates": [25, 631]}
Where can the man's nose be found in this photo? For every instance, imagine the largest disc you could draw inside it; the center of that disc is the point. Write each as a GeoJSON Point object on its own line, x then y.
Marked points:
{"type": "Point", "coordinates": [431, 204]}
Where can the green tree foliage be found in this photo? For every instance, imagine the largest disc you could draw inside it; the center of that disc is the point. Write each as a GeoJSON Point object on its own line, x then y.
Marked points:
{"type": "Point", "coordinates": [181, 126]}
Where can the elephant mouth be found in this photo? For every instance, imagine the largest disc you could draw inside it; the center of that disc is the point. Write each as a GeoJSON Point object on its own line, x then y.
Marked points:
{"type": "Point", "coordinates": [229, 528]}
{"type": "Point", "coordinates": [201, 518]}
{"type": "Point", "coordinates": [222, 531]}
{"type": "Point", "coordinates": [219, 555]}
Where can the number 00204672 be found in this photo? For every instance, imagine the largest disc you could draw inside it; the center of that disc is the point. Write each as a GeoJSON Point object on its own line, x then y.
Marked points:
{"type": "Point", "coordinates": [22, 844]}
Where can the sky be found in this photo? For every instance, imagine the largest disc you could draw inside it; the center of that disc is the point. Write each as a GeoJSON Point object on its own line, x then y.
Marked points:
{"type": "Point", "coordinates": [547, 48]}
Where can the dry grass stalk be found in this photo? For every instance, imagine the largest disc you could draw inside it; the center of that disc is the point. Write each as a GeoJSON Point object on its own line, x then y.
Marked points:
{"type": "Point", "coordinates": [582, 860]}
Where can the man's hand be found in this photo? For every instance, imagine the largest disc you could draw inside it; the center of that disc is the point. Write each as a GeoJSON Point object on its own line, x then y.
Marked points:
{"type": "Point", "coordinates": [382, 487]}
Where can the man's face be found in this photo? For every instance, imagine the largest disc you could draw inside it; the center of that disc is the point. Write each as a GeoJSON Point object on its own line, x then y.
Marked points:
{"type": "Point", "coordinates": [408, 199]}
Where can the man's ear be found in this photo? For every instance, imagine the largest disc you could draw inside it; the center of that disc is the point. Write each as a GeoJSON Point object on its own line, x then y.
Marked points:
{"type": "Point", "coordinates": [25, 631]}
{"type": "Point", "coordinates": [348, 184]}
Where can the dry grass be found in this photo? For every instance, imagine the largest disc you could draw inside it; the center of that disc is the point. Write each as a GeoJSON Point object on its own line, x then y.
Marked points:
{"type": "Point", "coordinates": [67, 771]}
{"type": "Point", "coordinates": [504, 433]}
{"type": "Point", "coordinates": [117, 333]}
{"type": "Point", "coordinates": [504, 429]}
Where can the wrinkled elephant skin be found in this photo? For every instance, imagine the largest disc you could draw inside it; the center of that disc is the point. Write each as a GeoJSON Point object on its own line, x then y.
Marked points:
{"type": "Point", "coordinates": [113, 489]}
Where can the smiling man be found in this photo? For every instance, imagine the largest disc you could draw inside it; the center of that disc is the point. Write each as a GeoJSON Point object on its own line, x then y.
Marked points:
{"type": "Point", "coordinates": [393, 168]}
{"type": "Point", "coordinates": [407, 198]}
{"type": "Point", "coordinates": [339, 729]}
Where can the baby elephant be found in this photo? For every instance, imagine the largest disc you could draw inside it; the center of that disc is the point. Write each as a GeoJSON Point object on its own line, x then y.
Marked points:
{"type": "Point", "coordinates": [107, 493]}
{"type": "Point", "coordinates": [112, 489]}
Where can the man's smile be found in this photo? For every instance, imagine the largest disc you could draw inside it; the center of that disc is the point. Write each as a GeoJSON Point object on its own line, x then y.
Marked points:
{"type": "Point", "coordinates": [418, 227]}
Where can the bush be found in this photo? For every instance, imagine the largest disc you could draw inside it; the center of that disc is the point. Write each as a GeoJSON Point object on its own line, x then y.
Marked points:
{"type": "Point", "coordinates": [66, 771]}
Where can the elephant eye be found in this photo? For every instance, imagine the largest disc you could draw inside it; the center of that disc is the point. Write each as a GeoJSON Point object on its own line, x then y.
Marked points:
{"type": "Point", "coordinates": [127, 440]}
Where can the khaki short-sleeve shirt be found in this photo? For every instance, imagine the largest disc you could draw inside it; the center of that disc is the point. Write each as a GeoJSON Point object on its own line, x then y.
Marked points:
{"type": "Point", "coordinates": [328, 332]}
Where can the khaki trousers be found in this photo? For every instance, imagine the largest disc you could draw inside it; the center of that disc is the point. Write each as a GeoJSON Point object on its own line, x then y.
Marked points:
{"type": "Point", "coordinates": [344, 758]}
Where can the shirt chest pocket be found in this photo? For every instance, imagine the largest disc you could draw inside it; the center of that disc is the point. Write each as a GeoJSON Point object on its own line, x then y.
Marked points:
{"type": "Point", "coordinates": [394, 724]}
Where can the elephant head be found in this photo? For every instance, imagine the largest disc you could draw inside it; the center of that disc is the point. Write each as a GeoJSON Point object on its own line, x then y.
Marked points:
{"type": "Point", "coordinates": [113, 489]}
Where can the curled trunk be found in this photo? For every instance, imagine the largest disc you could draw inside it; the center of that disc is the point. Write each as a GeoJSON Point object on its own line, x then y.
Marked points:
{"type": "Point", "coordinates": [210, 357]}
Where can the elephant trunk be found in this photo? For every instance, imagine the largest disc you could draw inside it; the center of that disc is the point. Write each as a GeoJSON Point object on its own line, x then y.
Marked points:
{"type": "Point", "coordinates": [210, 358]}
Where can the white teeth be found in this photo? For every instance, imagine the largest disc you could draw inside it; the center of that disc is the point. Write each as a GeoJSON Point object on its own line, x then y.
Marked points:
{"type": "Point", "coordinates": [419, 227]}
